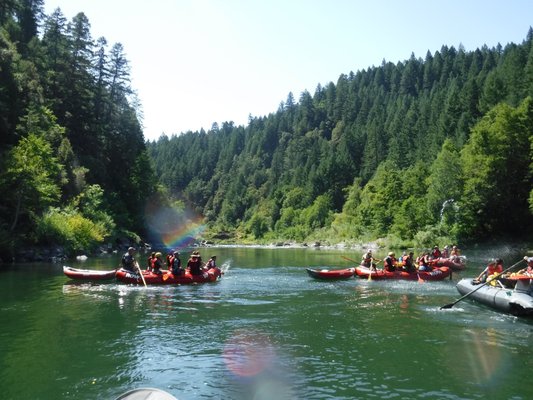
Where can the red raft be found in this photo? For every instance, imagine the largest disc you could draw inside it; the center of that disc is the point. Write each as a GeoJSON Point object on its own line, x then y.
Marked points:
{"type": "Point", "coordinates": [456, 264]}
{"type": "Point", "coordinates": [330, 274]}
{"type": "Point", "coordinates": [438, 274]}
{"type": "Point", "coordinates": [88, 274]}
{"type": "Point", "coordinates": [167, 278]}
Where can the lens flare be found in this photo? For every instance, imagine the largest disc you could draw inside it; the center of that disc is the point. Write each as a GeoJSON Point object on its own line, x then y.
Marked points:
{"type": "Point", "coordinates": [174, 227]}
{"type": "Point", "coordinates": [248, 353]}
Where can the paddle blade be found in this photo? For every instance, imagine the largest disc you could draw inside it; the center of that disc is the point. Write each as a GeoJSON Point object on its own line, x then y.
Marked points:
{"type": "Point", "coordinates": [369, 276]}
{"type": "Point", "coordinates": [165, 277]}
{"type": "Point", "coordinates": [420, 280]}
{"type": "Point", "coordinates": [445, 307]}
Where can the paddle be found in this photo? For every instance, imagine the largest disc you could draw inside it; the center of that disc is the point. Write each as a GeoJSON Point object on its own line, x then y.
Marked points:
{"type": "Point", "coordinates": [349, 259]}
{"type": "Point", "coordinates": [140, 273]}
{"type": "Point", "coordinates": [476, 289]}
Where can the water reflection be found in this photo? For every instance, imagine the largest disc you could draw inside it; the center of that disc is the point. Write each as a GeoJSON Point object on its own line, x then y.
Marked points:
{"type": "Point", "coordinates": [264, 331]}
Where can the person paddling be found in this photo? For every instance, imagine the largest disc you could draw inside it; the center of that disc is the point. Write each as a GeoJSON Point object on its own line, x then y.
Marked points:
{"type": "Point", "coordinates": [128, 260]}
{"type": "Point", "coordinates": [369, 261]}
{"type": "Point", "coordinates": [493, 269]}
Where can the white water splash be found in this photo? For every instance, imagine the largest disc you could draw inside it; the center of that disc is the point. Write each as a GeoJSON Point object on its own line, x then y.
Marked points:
{"type": "Point", "coordinates": [225, 266]}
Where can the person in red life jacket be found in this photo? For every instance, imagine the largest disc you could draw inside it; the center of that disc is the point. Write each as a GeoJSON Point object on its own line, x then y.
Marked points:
{"type": "Point", "coordinates": [211, 263]}
{"type": "Point", "coordinates": [150, 260]}
{"type": "Point", "coordinates": [408, 262]}
{"type": "Point", "coordinates": [423, 261]}
{"type": "Point", "coordinates": [194, 264]}
{"type": "Point", "coordinates": [436, 253]}
{"type": "Point", "coordinates": [493, 269]}
{"type": "Point", "coordinates": [175, 266]}
{"type": "Point", "coordinates": [169, 258]}
{"type": "Point", "coordinates": [389, 262]}
{"type": "Point", "coordinates": [157, 263]}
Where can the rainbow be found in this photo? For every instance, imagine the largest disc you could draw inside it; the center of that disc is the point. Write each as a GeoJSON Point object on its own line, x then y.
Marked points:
{"type": "Point", "coordinates": [176, 228]}
{"type": "Point", "coordinates": [183, 236]}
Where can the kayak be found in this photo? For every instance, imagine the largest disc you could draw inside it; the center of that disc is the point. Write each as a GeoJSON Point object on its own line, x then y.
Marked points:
{"type": "Point", "coordinates": [438, 274]}
{"type": "Point", "coordinates": [88, 274]}
{"type": "Point", "coordinates": [330, 274]}
{"type": "Point", "coordinates": [456, 264]}
{"type": "Point", "coordinates": [167, 278]}
{"type": "Point", "coordinates": [515, 300]}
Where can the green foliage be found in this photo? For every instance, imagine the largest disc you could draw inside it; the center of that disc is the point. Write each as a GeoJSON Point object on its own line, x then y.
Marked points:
{"type": "Point", "coordinates": [30, 179]}
{"type": "Point", "coordinates": [445, 179]}
{"type": "Point", "coordinates": [398, 130]}
{"type": "Point", "coordinates": [497, 178]}
{"type": "Point", "coordinates": [68, 228]}
{"type": "Point", "coordinates": [70, 135]}
{"type": "Point", "coordinates": [378, 154]}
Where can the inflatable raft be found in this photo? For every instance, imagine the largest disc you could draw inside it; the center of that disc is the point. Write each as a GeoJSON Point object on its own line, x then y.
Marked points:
{"type": "Point", "coordinates": [167, 278]}
{"type": "Point", "coordinates": [438, 274]}
{"type": "Point", "coordinates": [330, 274]}
{"type": "Point", "coordinates": [456, 263]}
{"type": "Point", "coordinates": [88, 274]}
{"type": "Point", "coordinates": [516, 301]}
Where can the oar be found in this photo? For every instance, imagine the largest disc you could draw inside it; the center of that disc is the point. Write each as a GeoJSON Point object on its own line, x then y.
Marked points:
{"type": "Point", "coordinates": [349, 259]}
{"type": "Point", "coordinates": [140, 273]}
{"type": "Point", "coordinates": [476, 289]}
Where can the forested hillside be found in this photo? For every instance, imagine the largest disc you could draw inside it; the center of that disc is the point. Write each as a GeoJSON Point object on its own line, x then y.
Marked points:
{"type": "Point", "coordinates": [73, 161]}
{"type": "Point", "coordinates": [417, 150]}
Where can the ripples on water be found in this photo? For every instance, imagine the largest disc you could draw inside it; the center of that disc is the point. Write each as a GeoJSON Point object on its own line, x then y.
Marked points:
{"type": "Point", "coordinates": [266, 331]}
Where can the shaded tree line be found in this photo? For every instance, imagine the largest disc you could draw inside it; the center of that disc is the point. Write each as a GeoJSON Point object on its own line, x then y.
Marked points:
{"type": "Point", "coordinates": [74, 164]}
{"type": "Point", "coordinates": [413, 150]}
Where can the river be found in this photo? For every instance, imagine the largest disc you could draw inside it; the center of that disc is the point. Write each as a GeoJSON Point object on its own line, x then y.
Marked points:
{"type": "Point", "coordinates": [266, 330]}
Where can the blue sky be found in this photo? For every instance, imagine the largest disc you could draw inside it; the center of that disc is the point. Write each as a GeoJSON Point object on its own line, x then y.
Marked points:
{"type": "Point", "coordinates": [195, 62]}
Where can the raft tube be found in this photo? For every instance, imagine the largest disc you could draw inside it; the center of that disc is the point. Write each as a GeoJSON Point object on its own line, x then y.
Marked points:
{"type": "Point", "coordinates": [515, 301]}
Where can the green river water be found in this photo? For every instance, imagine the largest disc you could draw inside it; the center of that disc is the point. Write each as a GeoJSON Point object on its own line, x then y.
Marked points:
{"type": "Point", "coordinates": [266, 330]}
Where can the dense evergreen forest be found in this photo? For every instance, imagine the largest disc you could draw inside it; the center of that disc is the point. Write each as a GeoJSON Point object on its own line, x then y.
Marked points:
{"type": "Point", "coordinates": [418, 151]}
{"type": "Point", "coordinates": [73, 160]}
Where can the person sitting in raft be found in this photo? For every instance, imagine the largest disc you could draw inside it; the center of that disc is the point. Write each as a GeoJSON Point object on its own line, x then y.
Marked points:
{"type": "Point", "coordinates": [211, 263]}
{"type": "Point", "coordinates": [194, 264]}
{"type": "Point", "coordinates": [369, 261]}
{"type": "Point", "coordinates": [493, 269]}
{"type": "Point", "coordinates": [423, 261]}
{"type": "Point", "coordinates": [445, 252]}
{"type": "Point", "coordinates": [128, 260]}
{"type": "Point", "coordinates": [436, 253]}
{"type": "Point", "coordinates": [175, 266]}
{"type": "Point", "coordinates": [529, 269]}
{"type": "Point", "coordinates": [389, 262]}
{"type": "Point", "coordinates": [455, 254]}
{"type": "Point", "coordinates": [409, 263]}
{"type": "Point", "coordinates": [157, 263]}
{"type": "Point", "coordinates": [169, 257]}
{"type": "Point", "coordinates": [150, 260]}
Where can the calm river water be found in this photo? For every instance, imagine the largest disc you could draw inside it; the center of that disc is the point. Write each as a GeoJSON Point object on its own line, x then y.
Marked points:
{"type": "Point", "coordinates": [264, 331]}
